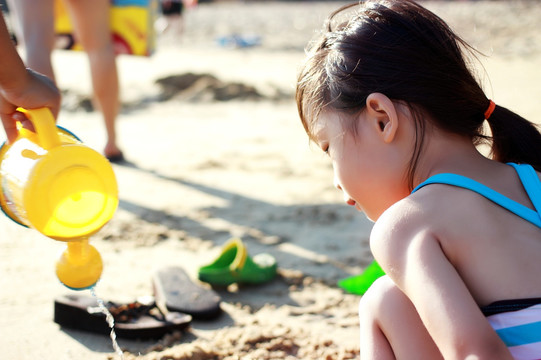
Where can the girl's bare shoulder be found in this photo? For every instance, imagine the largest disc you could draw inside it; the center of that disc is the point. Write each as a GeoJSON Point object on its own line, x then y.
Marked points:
{"type": "Point", "coordinates": [399, 224]}
{"type": "Point", "coordinates": [438, 212]}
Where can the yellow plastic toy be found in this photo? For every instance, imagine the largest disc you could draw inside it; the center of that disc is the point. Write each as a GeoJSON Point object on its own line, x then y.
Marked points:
{"type": "Point", "coordinates": [53, 183]}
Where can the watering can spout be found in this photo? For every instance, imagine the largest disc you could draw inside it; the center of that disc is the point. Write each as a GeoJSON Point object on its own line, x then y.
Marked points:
{"type": "Point", "coordinates": [80, 265]}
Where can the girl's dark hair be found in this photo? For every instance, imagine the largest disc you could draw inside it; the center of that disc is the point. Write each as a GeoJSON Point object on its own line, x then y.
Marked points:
{"type": "Point", "coordinates": [402, 50]}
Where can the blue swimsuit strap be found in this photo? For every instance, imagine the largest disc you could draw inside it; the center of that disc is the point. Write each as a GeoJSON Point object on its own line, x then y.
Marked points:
{"type": "Point", "coordinates": [529, 180]}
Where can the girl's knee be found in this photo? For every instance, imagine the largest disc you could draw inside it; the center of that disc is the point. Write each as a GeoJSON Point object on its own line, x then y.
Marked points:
{"type": "Point", "coordinates": [380, 296]}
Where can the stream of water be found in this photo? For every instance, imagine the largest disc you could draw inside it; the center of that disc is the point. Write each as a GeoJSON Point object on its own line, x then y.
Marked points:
{"type": "Point", "coordinates": [110, 320]}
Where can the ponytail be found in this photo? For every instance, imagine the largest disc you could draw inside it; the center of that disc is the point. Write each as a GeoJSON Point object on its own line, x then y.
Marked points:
{"type": "Point", "coordinates": [514, 139]}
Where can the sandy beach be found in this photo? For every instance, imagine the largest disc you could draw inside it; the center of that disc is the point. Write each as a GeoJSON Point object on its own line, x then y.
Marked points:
{"type": "Point", "coordinates": [215, 150]}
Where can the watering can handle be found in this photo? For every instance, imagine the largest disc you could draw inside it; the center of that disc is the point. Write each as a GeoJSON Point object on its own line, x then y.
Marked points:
{"type": "Point", "coordinates": [45, 126]}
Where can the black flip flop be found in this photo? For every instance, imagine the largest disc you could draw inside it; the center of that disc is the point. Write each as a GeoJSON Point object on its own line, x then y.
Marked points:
{"type": "Point", "coordinates": [174, 289]}
{"type": "Point", "coordinates": [132, 321]}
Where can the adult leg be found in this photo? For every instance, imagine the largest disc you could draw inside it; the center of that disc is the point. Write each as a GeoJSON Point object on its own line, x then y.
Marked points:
{"type": "Point", "coordinates": [91, 23]}
{"type": "Point", "coordinates": [35, 27]}
{"type": "Point", "coordinates": [391, 327]}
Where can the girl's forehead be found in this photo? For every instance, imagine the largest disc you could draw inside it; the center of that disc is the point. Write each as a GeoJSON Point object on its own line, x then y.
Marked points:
{"type": "Point", "coordinates": [318, 127]}
{"type": "Point", "coordinates": [327, 122]}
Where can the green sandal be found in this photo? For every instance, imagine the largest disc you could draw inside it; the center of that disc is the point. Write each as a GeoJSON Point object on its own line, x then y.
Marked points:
{"type": "Point", "coordinates": [234, 265]}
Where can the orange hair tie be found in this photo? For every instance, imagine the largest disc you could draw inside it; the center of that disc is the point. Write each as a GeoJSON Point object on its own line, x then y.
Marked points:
{"type": "Point", "coordinates": [491, 107]}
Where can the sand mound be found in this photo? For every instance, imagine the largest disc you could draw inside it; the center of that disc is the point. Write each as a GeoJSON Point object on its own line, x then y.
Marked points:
{"type": "Point", "coordinates": [204, 87]}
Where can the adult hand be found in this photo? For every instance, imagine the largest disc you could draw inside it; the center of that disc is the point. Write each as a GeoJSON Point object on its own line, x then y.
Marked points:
{"type": "Point", "coordinates": [31, 92]}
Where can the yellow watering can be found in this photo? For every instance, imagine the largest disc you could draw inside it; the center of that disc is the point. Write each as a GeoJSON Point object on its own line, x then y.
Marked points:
{"type": "Point", "coordinates": [53, 183]}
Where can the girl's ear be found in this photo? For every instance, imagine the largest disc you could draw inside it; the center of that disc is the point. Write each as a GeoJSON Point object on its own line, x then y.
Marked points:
{"type": "Point", "coordinates": [383, 114]}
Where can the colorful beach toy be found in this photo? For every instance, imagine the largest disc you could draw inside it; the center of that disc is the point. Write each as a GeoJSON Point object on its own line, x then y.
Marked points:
{"type": "Point", "coordinates": [67, 191]}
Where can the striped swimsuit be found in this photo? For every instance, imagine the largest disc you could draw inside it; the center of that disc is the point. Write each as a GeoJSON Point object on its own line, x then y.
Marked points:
{"type": "Point", "coordinates": [517, 322]}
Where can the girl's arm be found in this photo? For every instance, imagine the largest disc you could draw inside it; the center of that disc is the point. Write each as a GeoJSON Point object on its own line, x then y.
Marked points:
{"type": "Point", "coordinates": [413, 258]}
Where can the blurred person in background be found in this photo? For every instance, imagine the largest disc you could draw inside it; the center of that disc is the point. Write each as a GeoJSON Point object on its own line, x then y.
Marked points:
{"type": "Point", "coordinates": [172, 15]}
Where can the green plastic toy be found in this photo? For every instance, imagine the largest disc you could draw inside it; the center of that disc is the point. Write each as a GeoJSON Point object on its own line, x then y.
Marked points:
{"type": "Point", "coordinates": [358, 284]}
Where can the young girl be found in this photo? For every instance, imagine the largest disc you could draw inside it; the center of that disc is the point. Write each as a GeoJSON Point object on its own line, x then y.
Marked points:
{"type": "Point", "coordinates": [389, 96]}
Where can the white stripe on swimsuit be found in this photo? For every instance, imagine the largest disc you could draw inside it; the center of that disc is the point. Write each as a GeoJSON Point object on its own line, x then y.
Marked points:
{"type": "Point", "coordinates": [520, 331]}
